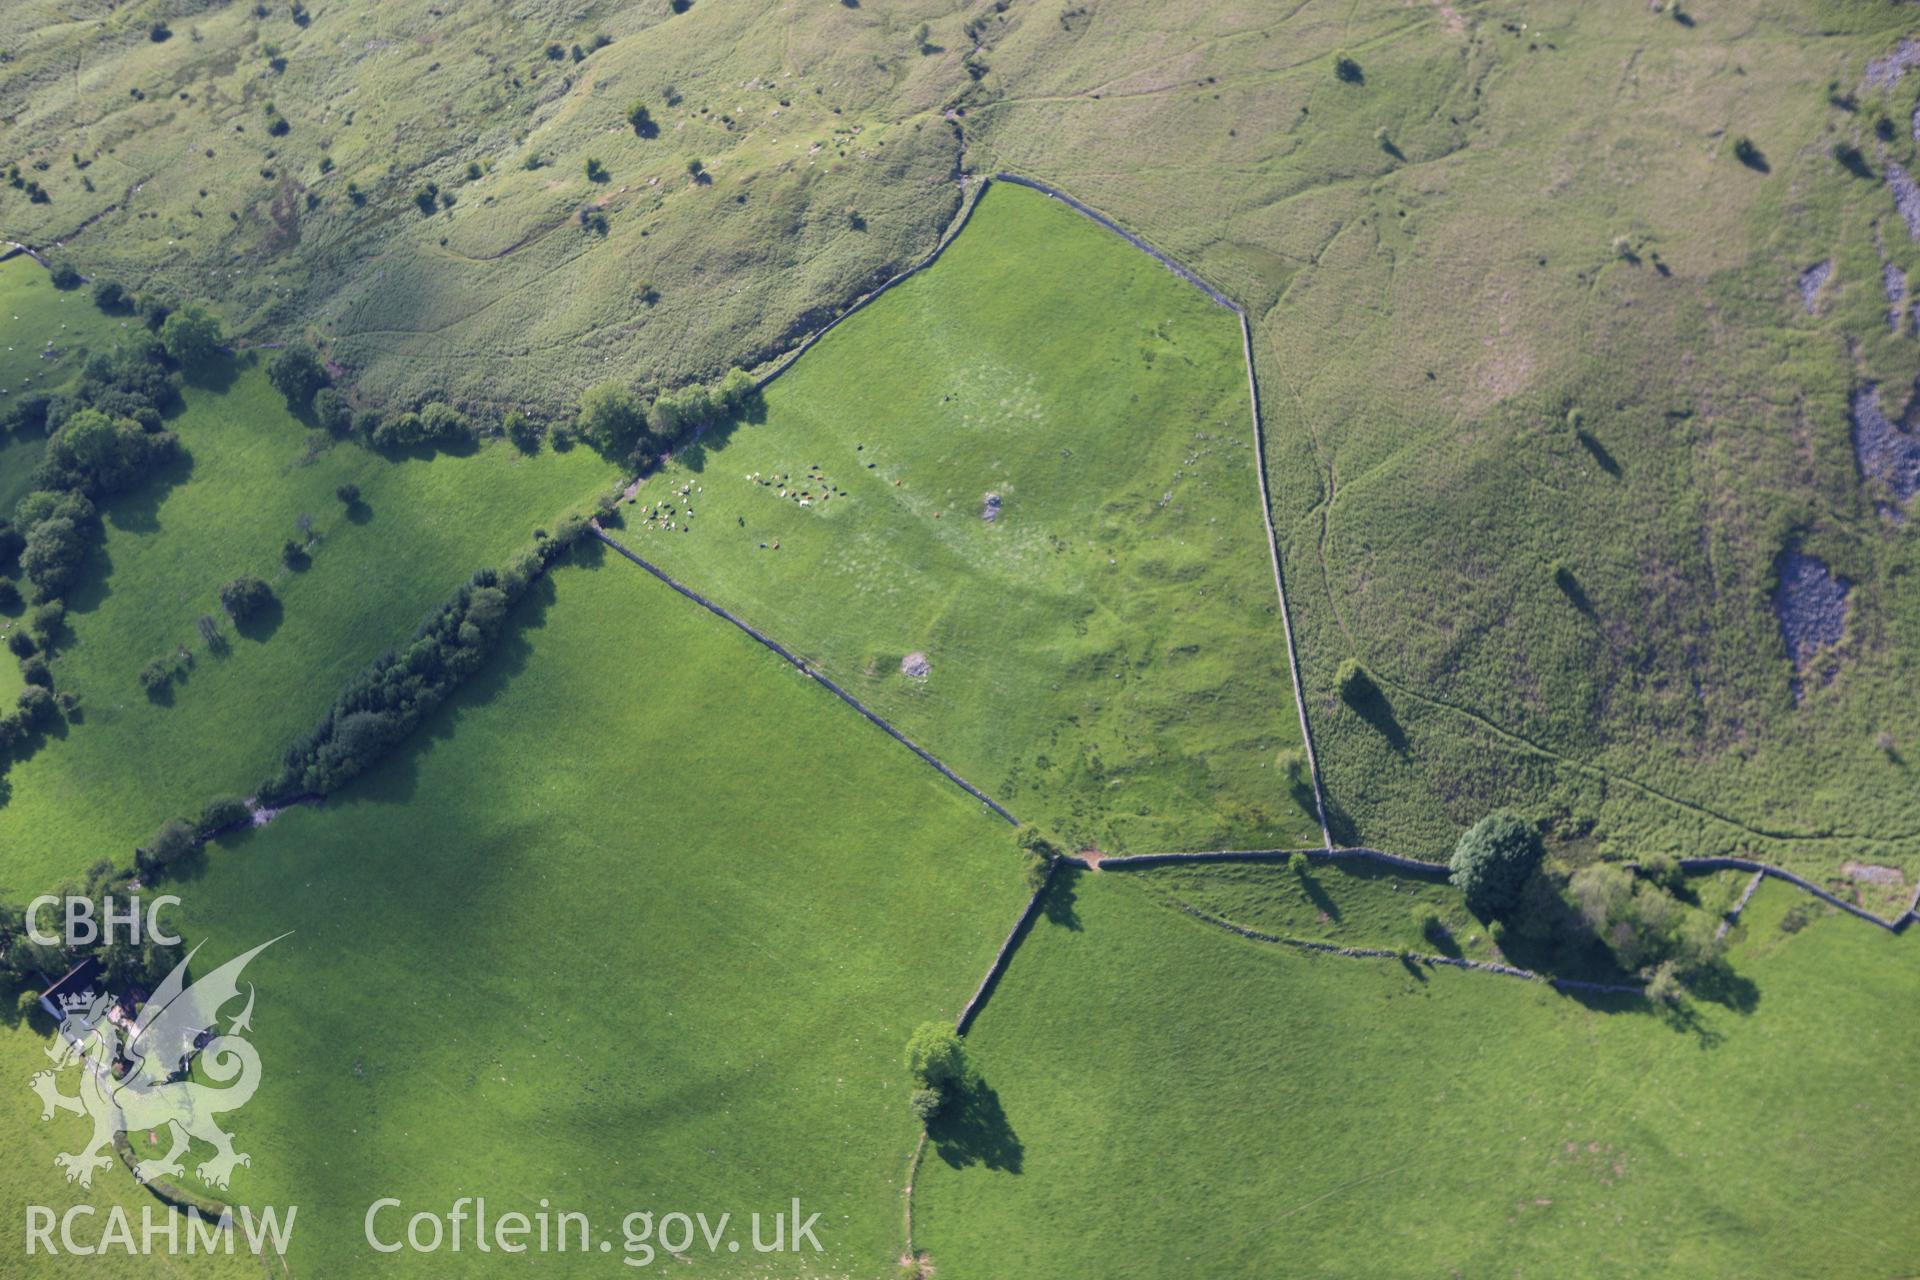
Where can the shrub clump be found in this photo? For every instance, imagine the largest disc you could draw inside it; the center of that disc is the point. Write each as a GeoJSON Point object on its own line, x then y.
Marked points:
{"type": "Point", "coordinates": [937, 1062]}
{"type": "Point", "coordinates": [1491, 863]}
{"type": "Point", "coordinates": [245, 596]}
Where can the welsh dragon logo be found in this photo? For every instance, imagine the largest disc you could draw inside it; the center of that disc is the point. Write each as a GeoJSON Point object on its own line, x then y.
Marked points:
{"type": "Point", "coordinates": [141, 1082]}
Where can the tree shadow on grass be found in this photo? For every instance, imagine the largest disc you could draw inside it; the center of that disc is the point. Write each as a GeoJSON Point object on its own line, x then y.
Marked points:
{"type": "Point", "coordinates": [1373, 707]}
{"type": "Point", "coordinates": [973, 1129]}
{"type": "Point", "coordinates": [693, 454]}
{"type": "Point", "coordinates": [219, 373]}
{"type": "Point", "coordinates": [93, 583]}
{"type": "Point", "coordinates": [1440, 938]}
{"type": "Point", "coordinates": [1599, 453]}
{"type": "Point", "coordinates": [1058, 906]}
{"type": "Point", "coordinates": [138, 511]}
{"type": "Point", "coordinates": [1570, 588]}
{"type": "Point", "coordinates": [1310, 886]}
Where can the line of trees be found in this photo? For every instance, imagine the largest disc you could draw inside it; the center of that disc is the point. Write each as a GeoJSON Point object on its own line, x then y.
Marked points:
{"type": "Point", "coordinates": [387, 701]}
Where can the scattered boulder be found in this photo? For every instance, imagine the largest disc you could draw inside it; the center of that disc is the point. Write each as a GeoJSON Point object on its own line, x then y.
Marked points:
{"type": "Point", "coordinates": [1810, 281]}
{"type": "Point", "coordinates": [990, 508]}
{"type": "Point", "coordinates": [916, 666]}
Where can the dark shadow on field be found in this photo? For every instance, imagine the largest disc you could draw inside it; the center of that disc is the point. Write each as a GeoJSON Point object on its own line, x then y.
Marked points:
{"type": "Point", "coordinates": [92, 584]}
{"type": "Point", "coordinates": [973, 1129]}
{"type": "Point", "coordinates": [218, 374]}
{"type": "Point", "coordinates": [693, 454]}
{"type": "Point", "coordinates": [263, 621]}
{"type": "Point", "coordinates": [1438, 937]}
{"type": "Point", "coordinates": [1413, 967]}
{"type": "Point", "coordinates": [1599, 453]}
{"type": "Point", "coordinates": [1722, 986]}
{"type": "Point", "coordinates": [1374, 708]}
{"type": "Point", "coordinates": [138, 511]}
{"type": "Point", "coordinates": [1340, 823]}
{"type": "Point", "coordinates": [1570, 588]}
{"type": "Point", "coordinates": [358, 512]}
{"type": "Point", "coordinates": [1300, 791]}
{"type": "Point", "coordinates": [1062, 895]}
{"type": "Point", "coordinates": [1310, 886]}
{"type": "Point", "coordinates": [427, 450]}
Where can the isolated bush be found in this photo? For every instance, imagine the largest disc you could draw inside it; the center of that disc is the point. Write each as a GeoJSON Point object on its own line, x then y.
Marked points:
{"type": "Point", "coordinates": [596, 172]}
{"type": "Point", "coordinates": [935, 1057]}
{"type": "Point", "coordinates": [349, 494]}
{"type": "Point", "coordinates": [641, 119]}
{"type": "Point", "coordinates": [297, 374]}
{"type": "Point", "coordinates": [109, 296]}
{"type": "Point", "coordinates": [65, 275]}
{"type": "Point", "coordinates": [159, 32]}
{"type": "Point", "coordinates": [245, 596]}
{"type": "Point", "coordinates": [190, 335]}
{"type": "Point", "coordinates": [1346, 68]}
{"type": "Point", "coordinates": [1493, 860]}
{"type": "Point", "coordinates": [1747, 153]}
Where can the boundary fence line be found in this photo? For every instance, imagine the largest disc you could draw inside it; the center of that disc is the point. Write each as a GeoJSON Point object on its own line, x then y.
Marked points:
{"type": "Point", "coordinates": [801, 665]}
{"type": "Point", "coordinates": [1259, 457]}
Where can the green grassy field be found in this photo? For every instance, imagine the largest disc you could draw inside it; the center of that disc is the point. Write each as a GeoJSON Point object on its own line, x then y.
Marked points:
{"type": "Point", "coordinates": [665, 959]}
{"type": "Point", "coordinates": [28, 1177]}
{"type": "Point", "coordinates": [1171, 1099]}
{"type": "Point", "coordinates": [1105, 654]}
{"type": "Point", "coordinates": [96, 787]}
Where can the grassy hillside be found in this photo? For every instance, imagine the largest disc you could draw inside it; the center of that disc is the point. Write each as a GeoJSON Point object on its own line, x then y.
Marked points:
{"type": "Point", "coordinates": [665, 959]}
{"type": "Point", "coordinates": [1166, 1098]}
{"type": "Point", "coordinates": [100, 784]}
{"type": "Point", "coordinates": [1029, 467]}
{"type": "Point", "coordinates": [1508, 213]}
